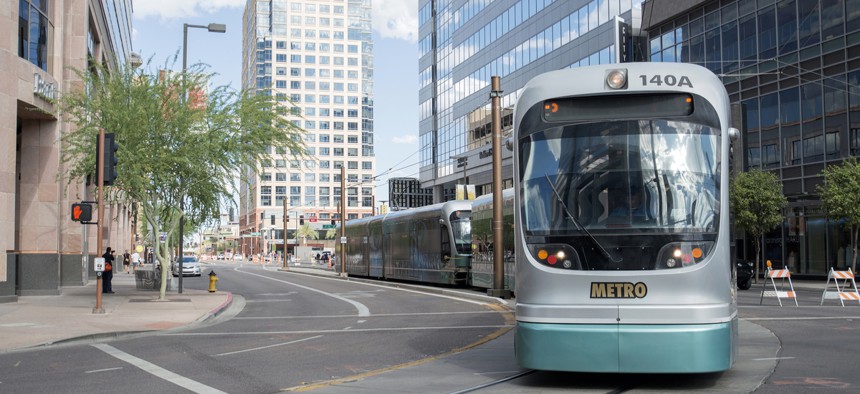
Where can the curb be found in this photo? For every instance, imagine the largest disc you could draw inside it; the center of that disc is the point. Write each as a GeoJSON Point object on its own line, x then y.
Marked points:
{"type": "Point", "coordinates": [114, 335]}
{"type": "Point", "coordinates": [215, 312]}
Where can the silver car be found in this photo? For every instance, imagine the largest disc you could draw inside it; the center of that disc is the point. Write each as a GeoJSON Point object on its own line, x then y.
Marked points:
{"type": "Point", "coordinates": [190, 267]}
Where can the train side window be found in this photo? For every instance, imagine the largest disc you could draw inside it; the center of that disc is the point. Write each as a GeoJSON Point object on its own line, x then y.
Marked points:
{"type": "Point", "coordinates": [446, 242]}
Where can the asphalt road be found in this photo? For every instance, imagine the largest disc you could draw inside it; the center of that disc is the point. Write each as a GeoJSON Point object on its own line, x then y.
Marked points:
{"type": "Point", "coordinates": [293, 331]}
{"type": "Point", "coordinates": [283, 331]}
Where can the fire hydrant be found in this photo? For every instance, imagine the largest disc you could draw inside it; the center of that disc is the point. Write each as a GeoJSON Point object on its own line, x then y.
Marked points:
{"type": "Point", "coordinates": [212, 279]}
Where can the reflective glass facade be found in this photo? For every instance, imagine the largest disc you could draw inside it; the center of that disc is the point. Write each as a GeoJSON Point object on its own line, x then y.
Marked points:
{"type": "Point", "coordinates": [462, 43]}
{"type": "Point", "coordinates": [794, 65]}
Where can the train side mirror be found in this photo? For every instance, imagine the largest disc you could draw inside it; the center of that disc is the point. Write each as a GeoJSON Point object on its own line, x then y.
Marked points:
{"type": "Point", "coordinates": [509, 143]}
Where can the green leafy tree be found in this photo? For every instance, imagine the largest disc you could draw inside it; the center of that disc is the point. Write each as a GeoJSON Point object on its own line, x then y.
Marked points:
{"type": "Point", "coordinates": [757, 201]}
{"type": "Point", "coordinates": [306, 232]}
{"type": "Point", "coordinates": [177, 157]}
{"type": "Point", "coordinates": [840, 194]}
{"type": "Point", "coordinates": [331, 233]}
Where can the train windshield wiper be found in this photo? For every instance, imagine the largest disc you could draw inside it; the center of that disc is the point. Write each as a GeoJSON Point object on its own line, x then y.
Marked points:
{"type": "Point", "coordinates": [579, 225]}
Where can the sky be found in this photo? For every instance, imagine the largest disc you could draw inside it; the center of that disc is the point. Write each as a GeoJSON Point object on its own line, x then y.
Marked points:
{"type": "Point", "coordinates": [157, 37]}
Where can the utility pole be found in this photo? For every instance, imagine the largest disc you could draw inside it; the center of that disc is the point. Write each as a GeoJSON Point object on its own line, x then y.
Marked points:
{"type": "Point", "coordinates": [342, 221]}
{"type": "Point", "coordinates": [286, 263]}
{"type": "Point", "coordinates": [498, 289]}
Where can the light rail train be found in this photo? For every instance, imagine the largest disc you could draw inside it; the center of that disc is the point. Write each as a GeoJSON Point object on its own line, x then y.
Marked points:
{"type": "Point", "coordinates": [429, 244]}
{"type": "Point", "coordinates": [622, 226]}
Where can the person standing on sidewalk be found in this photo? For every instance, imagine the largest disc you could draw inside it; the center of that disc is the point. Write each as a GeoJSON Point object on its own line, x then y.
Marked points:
{"type": "Point", "coordinates": [107, 275]}
{"type": "Point", "coordinates": [135, 260]}
{"type": "Point", "coordinates": [126, 261]}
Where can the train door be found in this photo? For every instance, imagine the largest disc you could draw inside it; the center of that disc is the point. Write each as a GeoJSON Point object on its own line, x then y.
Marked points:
{"type": "Point", "coordinates": [446, 244]}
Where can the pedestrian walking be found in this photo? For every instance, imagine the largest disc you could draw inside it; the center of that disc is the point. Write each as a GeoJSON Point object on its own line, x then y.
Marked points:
{"type": "Point", "coordinates": [126, 262]}
{"type": "Point", "coordinates": [135, 260]}
{"type": "Point", "coordinates": [107, 275]}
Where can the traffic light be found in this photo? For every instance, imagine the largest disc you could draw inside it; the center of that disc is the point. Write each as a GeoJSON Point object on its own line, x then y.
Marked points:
{"type": "Point", "coordinates": [82, 212]}
{"type": "Point", "coordinates": [110, 159]}
{"type": "Point", "coordinates": [332, 222]}
{"type": "Point", "coordinates": [273, 220]}
{"type": "Point", "coordinates": [301, 220]}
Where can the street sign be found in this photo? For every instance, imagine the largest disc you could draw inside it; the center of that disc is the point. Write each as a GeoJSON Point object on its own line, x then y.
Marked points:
{"type": "Point", "coordinates": [328, 226]}
{"type": "Point", "coordinates": [343, 240]}
{"type": "Point", "coordinates": [255, 234]}
{"type": "Point", "coordinates": [312, 219]}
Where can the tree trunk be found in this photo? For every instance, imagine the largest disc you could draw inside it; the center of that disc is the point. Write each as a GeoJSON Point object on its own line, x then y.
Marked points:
{"type": "Point", "coordinates": [854, 230]}
{"type": "Point", "coordinates": [757, 244]}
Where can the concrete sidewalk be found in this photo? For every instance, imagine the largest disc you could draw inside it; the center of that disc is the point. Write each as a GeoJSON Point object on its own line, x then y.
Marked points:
{"type": "Point", "coordinates": [43, 320]}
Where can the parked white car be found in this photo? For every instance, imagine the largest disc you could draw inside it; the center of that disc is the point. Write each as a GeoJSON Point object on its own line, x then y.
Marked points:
{"type": "Point", "coordinates": [190, 266]}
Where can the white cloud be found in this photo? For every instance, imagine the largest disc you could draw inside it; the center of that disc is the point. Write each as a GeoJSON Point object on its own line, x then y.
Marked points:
{"type": "Point", "coordinates": [396, 19]}
{"type": "Point", "coordinates": [173, 9]}
{"type": "Point", "coordinates": [405, 139]}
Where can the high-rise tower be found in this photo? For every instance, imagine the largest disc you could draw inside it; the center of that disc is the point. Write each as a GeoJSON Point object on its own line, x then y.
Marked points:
{"type": "Point", "coordinates": [316, 58]}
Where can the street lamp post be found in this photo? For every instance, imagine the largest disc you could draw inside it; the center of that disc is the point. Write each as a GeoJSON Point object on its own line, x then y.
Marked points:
{"type": "Point", "coordinates": [213, 28]}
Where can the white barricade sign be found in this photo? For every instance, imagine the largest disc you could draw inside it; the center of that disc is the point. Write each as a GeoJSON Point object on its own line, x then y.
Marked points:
{"type": "Point", "coordinates": [846, 291]}
{"type": "Point", "coordinates": [780, 293]}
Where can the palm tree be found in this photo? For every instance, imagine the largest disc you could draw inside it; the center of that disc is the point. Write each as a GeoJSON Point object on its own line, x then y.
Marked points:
{"type": "Point", "coordinates": [305, 232]}
{"type": "Point", "coordinates": [331, 233]}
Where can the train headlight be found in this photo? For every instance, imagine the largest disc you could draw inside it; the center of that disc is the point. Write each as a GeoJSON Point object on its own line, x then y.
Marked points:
{"type": "Point", "coordinates": [683, 254]}
{"type": "Point", "coordinates": [616, 78]}
{"type": "Point", "coordinates": [560, 256]}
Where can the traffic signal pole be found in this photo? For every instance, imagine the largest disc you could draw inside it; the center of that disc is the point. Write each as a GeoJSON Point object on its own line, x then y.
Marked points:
{"type": "Point", "coordinates": [100, 159]}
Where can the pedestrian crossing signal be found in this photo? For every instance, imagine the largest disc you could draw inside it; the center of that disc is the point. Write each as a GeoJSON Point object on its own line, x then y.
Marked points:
{"type": "Point", "coordinates": [82, 212]}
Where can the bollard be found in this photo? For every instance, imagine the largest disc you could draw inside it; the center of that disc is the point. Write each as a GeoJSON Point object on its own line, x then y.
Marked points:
{"type": "Point", "coordinates": [212, 279]}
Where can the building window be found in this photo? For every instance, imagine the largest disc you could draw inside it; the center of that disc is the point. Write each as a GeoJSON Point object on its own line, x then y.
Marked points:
{"type": "Point", "coordinates": [855, 141]}
{"type": "Point", "coordinates": [35, 32]}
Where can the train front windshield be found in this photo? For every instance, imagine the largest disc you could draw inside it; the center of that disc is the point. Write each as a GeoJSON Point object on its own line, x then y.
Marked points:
{"type": "Point", "coordinates": [461, 227]}
{"type": "Point", "coordinates": [619, 192]}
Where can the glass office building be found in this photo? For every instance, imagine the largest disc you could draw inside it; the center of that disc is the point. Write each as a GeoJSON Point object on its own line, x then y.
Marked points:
{"type": "Point", "coordinates": [462, 43]}
{"type": "Point", "coordinates": [316, 58]}
{"type": "Point", "coordinates": [794, 68]}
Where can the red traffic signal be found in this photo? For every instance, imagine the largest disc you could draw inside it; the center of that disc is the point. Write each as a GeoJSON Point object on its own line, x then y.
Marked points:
{"type": "Point", "coordinates": [82, 212]}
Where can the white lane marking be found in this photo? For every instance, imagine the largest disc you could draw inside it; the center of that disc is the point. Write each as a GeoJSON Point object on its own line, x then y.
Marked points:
{"type": "Point", "coordinates": [28, 325]}
{"type": "Point", "coordinates": [361, 321]}
{"type": "Point", "coordinates": [773, 358]}
{"type": "Point", "coordinates": [277, 294]}
{"type": "Point", "coordinates": [424, 293]}
{"type": "Point", "coordinates": [153, 369]}
{"type": "Point", "coordinates": [276, 300]}
{"type": "Point", "coordinates": [362, 310]}
{"type": "Point", "coordinates": [202, 334]}
{"type": "Point", "coordinates": [376, 315]}
{"type": "Point", "coordinates": [266, 347]}
{"type": "Point", "coordinates": [803, 318]}
{"type": "Point", "coordinates": [347, 328]}
{"type": "Point", "coordinates": [103, 370]}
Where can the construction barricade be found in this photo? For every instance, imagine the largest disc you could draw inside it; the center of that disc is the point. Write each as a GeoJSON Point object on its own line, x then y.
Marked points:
{"type": "Point", "coordinates": [846, 292]}
{"type": "Point", "coordinates": [785, 276]}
